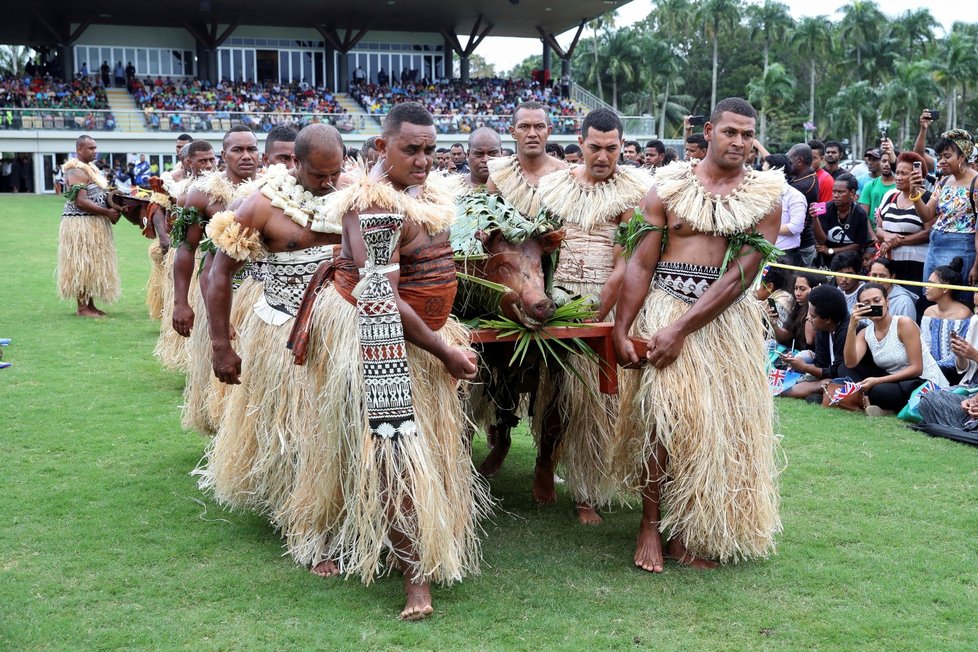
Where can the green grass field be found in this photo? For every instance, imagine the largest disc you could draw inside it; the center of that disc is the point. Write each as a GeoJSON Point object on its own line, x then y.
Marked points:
{"type": "Point", "coordinates": [106, 542]}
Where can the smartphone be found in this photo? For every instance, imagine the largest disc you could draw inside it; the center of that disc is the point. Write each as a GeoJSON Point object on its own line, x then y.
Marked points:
{"type": "Point", "coordinates": [875, 311]}
{"type": "Point", "coordinates": [773, 305]}
{"type": "Point", "coordinates": [819, 208]}
{"type": "Point", "coordinates": [697, 120]}
{"type": "Point", "coordinates": [935, 114]}
{"type": "Point", "coordinates": [916, 165]}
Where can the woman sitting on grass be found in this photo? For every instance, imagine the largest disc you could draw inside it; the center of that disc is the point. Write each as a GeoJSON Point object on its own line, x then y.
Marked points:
{"type": "Point", "coordinates": [946, 317]}
{"type": "Point", "coordinates": [796, 332]}
{"type": "Point", "coordinates": [887, 358]}
{"type": "Point", "coordinates": [954, 410]}
{"type": "Point", "coordinates": [828, 316]}
{"type": "Point", "coordinates": [776, 285]}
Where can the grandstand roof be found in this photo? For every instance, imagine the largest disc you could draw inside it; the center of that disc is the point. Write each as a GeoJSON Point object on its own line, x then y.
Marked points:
{"type": "Point", "coordinates": [21, 25]}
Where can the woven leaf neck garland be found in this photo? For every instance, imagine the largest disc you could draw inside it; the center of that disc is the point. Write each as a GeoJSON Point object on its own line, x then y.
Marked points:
{"type": "Point", "coordinates": [298, 204]}
{"type": "Point", "coordinates": [94, 174]}
{"type": "Point", "coordinates": [574, 202]}
{"type": "Point", "coordinates": [682, 192]}
{"type": "Point", "coordinates": [507, 174]}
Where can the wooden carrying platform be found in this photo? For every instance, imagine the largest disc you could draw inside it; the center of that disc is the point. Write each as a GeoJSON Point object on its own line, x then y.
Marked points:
{"type": "Point", "coordinates": [597, 336]}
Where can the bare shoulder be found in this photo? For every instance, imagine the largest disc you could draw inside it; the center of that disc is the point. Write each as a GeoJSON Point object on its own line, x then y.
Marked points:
{"type": "Point", "coordinates": [554, 164]}
{"type": "Point", "coordinates": [75, 176]}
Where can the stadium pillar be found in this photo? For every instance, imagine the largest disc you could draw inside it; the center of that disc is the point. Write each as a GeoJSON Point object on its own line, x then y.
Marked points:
{"type": "Point", "coordinates": [464, 72]}
{"type": "Point", "coordinates": [343, 83]}
{"type": "Point", "coordinates": [206, 62]}
{"type": "Point", "coordinates": [66, 54]}
{"type": "Point", "coordinates": [329, 57]}
{"type": "Point", "coordinates": [546, 62]}
{"type": "Point", "coordinates": [448, 69]}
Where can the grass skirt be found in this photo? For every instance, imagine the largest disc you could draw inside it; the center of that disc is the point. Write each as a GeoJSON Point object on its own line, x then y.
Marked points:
{"type": "Point", "coordinates": [154, 285]}
{"type": "Point", "coordinates": [251, 463]}
{"type": "Point", "coordinates": [712, 411]}
{"type": "Point", "coordinates": [204, 394]}
{"type": "Point", "coordinates": [171, 347]}
{"type": "Point", "coordinates": [588, 419]}
{"type": "Point", "coordinates": [352, 488]}
{"type": "Point", "coordinates": [87, 265]}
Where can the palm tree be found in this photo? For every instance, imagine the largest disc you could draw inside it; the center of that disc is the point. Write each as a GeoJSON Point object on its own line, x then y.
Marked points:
{"type": "Point", "coordinates": [767, 21]}
{"type": "Point", "coordinates": [958, 61]}
{"type": "Point", "coordinates": [674, 20]}
{"type": "Point", "coordinates": [911, 87]}
{"type": "Point", "coordinates": [718, 15]}
{"type": "Point", "coordinates": [14, 58]}
{"type": "Point", "coordinates": [622, 57]}
{"type": "Point", "coordinates": [811, 40]}
{"type": "Point", "coordinates": [851, 107]}
{"type": "Point", "coordinates": [771, 89]}
{"type": "Point", "coordinates": [859, 28]}
{"type": "Point", "coordinates": [915, 28]}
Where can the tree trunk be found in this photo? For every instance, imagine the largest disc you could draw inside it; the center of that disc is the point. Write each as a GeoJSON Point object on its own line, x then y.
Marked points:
{"type": "Point", "coordinates": [713, 92]}
{"type": "Point", "coordinates": [860, 135]}
{"type": "Point", "coordinates": [766, 51]}
{"type": "Point", "coordinates": [763, 132]}
{"type": "Point", "coordinates": [614, 92]}
{"type": "Point", "coordinates": [662, 117]}
{"type": "Point", "coordinates": [811, 95]}
{"type": "Point", "coordinates": [597, 66]}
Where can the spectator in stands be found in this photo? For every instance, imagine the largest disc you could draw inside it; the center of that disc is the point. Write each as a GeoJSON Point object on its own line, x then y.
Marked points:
{"type": "Point", "coordinates": [828, 317]}
{"type": "Point", "coordinates": [696, 147]}
{"type": "Point", "coordinates": [141, 171]}
{"type": "Point", "coordinates": [105, 72]}
{"type": "Point", "coordinates": [872, 194]}
{"type": "Point", "coordinates": [952, 207]}
{"type": "Point", "coordinates": [892, 345]}
{"type": "Point", "coordinates": [632, 153]}
{"type": "Point", "coordinates": [900, 228]}
{"type": "Point", "coordinates": [457, 152]}
{"type": "Point", "coordinates": [794, 333]}
{"type": "Point", "coordinates": [84, 69]}
{"type": "Point", "coordinates": [120, 75]}
{"type": "Point", "coordinates": [902, 302]}
{"type": "Point", "coordinates": [833, 157]}
{"type": "Point", "coordinates": [946, 316]}
{"type": "Point", "coordinates": [794, 210]}
{"type": "Point", "coordinates": [130, 71]}
{"type": "Point", "coordinates": [573, 154]}
{"type": "Point", "coordinates": [443, 160]}
{"type": "Point", "coordinates": [848, 262]}
{"type": "Point", "coordinates": [655, 152]}
{"type": "Point", "coordinates": [824, 178]}
{"type": "Point", "coordinates": [843, 226]}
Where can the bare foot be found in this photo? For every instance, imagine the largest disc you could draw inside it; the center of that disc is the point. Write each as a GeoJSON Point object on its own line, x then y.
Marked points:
{"type": "Point", "coordinates": [418, 606]}
{"type": "Point", "coordinates": [543, 484]}
{"type": "Point", "coordinates": [678, 552]}
{"type": "Point", "coordinates": [648, 549]}
{"type": "Point", "coordinates": [85, 311]}
{"type": "Point", "coordinates": [493, 463]}
{"type": "Point", "coordinates": [91, 306]}
{"type": "Point", "coordinates": [587, 515]}
{"type": "Point", "coordinates": [325, 569]}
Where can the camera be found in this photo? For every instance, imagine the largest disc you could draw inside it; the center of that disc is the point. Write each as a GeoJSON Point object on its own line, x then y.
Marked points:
{"type": "Point", "coordinates": [697, 120]}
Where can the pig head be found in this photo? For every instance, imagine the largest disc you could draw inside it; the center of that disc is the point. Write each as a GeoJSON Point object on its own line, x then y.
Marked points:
{"type": "Point", "coordinates": [520, 268]}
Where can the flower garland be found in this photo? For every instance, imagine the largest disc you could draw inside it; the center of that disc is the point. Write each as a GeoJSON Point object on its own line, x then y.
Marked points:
{"type": "Point", "coordinates": [300, 205]}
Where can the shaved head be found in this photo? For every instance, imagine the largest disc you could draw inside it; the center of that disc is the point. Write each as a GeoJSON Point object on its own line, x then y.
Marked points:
{"type": "Point", "coordinates": [317, 136]}
{"type": "Point", "coordinates": [485, 137]}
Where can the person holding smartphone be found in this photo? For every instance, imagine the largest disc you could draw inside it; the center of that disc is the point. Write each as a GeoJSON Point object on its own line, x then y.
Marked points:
{"type": "Point", "coordinates": [948, 320]}
{"type": "Point", "coordinates": [900, 229]}
{"type": "Point", "coordinates": [841, 225]}
{"type": "Point", "coordinates": [888, 357]}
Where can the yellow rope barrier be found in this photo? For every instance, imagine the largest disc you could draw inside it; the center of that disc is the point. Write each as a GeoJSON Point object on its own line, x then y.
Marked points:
{"type": "Point", "coordinates": [860, 277]}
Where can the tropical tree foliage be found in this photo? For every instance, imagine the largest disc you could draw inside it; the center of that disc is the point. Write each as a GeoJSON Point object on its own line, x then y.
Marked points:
{"type": "Point", "coordinates": [843, 73]}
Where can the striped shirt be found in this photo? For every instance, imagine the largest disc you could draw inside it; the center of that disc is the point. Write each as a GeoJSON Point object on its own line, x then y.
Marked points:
{"type": "Point", "coordinates": [904, 221]}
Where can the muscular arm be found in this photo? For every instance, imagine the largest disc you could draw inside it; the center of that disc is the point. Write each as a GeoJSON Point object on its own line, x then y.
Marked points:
{"type": "Point", "coordinates": [609, 292]}
{"type": "Point", "coordinates": [159, 225]}
{"type": "Point", "coordinates": [666, 345]}
{"type": "Point", "coordinates": [77, 177]}
{"type": "Point", "coordinates": [227, 364]}
{"type": "Point", "coordinates": [638, 277]}
{"type": "Point", "coordinates": [183, 268]}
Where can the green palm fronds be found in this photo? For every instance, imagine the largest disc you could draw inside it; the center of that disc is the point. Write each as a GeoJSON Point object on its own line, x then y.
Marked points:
{"type": "Point", "coordinates": [753, 240]}
{"type": "Point", "coordinates": [630, 233]}
{"type": "Point", "coordinates": [482, 211]}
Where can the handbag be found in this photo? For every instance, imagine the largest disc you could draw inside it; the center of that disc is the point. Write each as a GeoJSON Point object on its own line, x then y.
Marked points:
{"type": "Point", "coordinates": [843, 393]}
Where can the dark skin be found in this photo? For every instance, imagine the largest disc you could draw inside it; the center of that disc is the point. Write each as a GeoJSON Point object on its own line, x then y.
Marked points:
{"type": "Point", "coordinates": [279, 153]}
{"type": "Point", "coordinates": [241, 156]}
{"type": "Point", "coordinates": [86, 151]}
{"type": "Point", "coordinates": [482, 147]}
{"type": "Point", "coordinates": [406, 157]}
{"type": "Point", "coordinates": [842, 197]}
{"type": "Point", "coordinates": [531, 128]}
{"type": "Point", "coordinates": [601, 150]}
{"type": "Point", "coordinates": [720, 172]}
{"type": "Point", "coordinates": [891, 241]}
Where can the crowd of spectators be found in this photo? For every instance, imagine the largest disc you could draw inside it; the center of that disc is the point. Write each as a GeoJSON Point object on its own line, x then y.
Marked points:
{"type": "Point", "coordinates": [194, 104]}
{"type": "Point", "coordinates": [463, 107]}
{"type": "Point", "coordinates": [25, 102]}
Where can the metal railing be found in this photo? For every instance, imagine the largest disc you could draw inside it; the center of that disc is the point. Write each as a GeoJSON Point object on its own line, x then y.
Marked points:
{"type": "Point", "coordinates": [135, 122]}
{"type": "Point", "coordinates": [586, 98]}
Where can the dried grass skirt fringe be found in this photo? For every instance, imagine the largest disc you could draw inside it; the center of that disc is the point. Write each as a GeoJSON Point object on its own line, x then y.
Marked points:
{"type": "Point", "coordinates": [252, 461]}
{"type": "Point", "coordinates": [87, 266]}
{"type": "Point", "coordinates": [352, 488]}
{"type": "Point", "coordinates": [203, 394]}
{"type": "Point", "coordinates": [154, 284]}
{"type": "Point", "coordinates": [712, 411]}
{"type": "Point", "coordinates": [171, 347]}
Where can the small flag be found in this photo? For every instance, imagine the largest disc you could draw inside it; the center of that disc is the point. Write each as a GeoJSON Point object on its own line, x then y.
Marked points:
{"type": "Point", "coordinates": [847, 389]}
